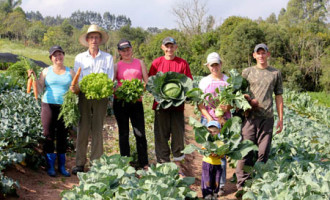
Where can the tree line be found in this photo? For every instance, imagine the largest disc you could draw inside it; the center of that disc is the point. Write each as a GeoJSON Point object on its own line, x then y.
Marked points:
{"type": "Point", "coordinates": [298, 37]}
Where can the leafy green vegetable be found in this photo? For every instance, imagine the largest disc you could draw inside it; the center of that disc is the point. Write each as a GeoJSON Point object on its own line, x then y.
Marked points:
{"type": "Point", "coordinates": [19, 69]}
{"type": "Point", "coordinates": [230, 135]}
{"type": "Point", "coordinates": [232, 94]}
{"type": "Point", "coordinates": [69, 109]}
{"type": "Point", "coordinates": [96, 86]}
{"type": "Point", "coordinates": [111, 177]}
{"type": "Point", "coordinates": [170, 89]}
{"type": "Point", "coordinates": [130, 90]}
{"type": "Point", "coordinates": [20, 133]}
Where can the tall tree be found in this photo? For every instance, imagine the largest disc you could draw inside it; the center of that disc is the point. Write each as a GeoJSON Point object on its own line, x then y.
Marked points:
{"type": "Point", "coordinates": [109, 21]}
{"type": "Point", "coordinates": [191, 16]}
{"type": "Point", "coordinates": [10, 5]}
{"type": "Point", "coordinates": [34, 16]}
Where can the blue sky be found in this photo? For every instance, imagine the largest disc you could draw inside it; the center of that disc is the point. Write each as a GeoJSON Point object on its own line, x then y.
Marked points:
{"type": "Point", "coordinates": [155, 13]}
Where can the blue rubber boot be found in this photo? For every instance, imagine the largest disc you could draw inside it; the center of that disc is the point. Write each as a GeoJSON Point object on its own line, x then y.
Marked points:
{"type": "Point", "coordinates": [51, 157]}
{"type": "Point", "coordinates": [61, 165]}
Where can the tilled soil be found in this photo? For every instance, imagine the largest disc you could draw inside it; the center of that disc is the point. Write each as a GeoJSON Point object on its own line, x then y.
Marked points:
{"type": "Point", "coordinates": [37, 185]}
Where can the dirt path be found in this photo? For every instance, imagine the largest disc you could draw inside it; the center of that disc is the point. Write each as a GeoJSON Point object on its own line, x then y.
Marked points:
{"type": "Point", "coordinates": [37, 185]}
{"type": "Point", "coordinates": [193, 163]}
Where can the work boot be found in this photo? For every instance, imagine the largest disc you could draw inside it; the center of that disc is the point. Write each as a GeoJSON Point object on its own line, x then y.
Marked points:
{"type": "Point", "coordinates": [61, 165]}
{"type": "Point", "coordinates": [77, 169]}
{"type": "Point", "coordinates": [51, 157]}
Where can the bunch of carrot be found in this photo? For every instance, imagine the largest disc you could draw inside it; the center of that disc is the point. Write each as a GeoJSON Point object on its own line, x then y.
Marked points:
{"type": "Point", "coordinates": [32, 83]}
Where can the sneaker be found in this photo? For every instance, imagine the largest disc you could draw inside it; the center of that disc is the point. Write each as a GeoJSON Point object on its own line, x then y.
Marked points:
{"type": "Point", "coordinates": [221, 192]}
{"type": "Point", "coordinates": [77, 169]}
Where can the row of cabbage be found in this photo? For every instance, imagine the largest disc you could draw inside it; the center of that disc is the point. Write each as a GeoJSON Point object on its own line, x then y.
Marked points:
{"type": "Point", "coordinates": [299, 166]}
{"type": "Point", "coordinates": [20, 130]}
{"type": "Point", "coordinates": [304, 105]}
{"type": "Point", "coordinates": [112, 177]}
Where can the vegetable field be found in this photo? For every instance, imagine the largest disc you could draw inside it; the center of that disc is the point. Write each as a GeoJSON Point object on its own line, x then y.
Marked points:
{"type": "Point", "coordinates": [298, 168]}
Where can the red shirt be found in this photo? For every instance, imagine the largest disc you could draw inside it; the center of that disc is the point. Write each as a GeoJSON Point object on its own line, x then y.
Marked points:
{"type": "Point", "coordinates": [178, 65]}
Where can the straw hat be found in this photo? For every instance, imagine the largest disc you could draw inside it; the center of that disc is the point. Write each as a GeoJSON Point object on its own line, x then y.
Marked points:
{"type": "Point", "coordinates": [93, 29]}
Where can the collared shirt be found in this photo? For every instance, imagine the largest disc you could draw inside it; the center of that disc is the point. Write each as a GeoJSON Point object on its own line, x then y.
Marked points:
{"type": "Point", "coordinates": [102, 63]}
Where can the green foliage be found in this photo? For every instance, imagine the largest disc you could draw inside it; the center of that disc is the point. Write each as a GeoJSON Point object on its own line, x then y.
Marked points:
{"type": "Point", "coordinates": [19, 69]}
{"type": "Point", "coordinates": [130, 91]}
{"type": "Point", "coordinates": [20, 133]}
{"type": "Point", "coordinates": [303, 104]}
{"type": "Point", "coordinates": [230, 95]}
{"type": "Point", "coordinates": [230, 135]}
{"type": "Point", "coordinates": [156, 85]}
{"type": "Point", "coordinates": [35, 32]}
{"type": "Point", "coordinates": [7, 83]}
{"type": "Point", "coordinates": [69, 109]}
{"type": "Point", "coordinates": [152, 49]}
{"type": "Point", "coordinates": [111, 177]}
{"type": "Point", "coordinates": [320, 98]}
{"type": "Point", "coordinates": [96, 86]}
{"type": "Point", "coordinates": [298, 165]}
{"type": "Point", "coordinates": [238, 44]}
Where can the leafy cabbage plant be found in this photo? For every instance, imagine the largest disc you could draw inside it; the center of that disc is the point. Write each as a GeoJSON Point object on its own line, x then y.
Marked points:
{"type": "Point", "coordinates": [230, 136]}
{"type": "Point", "coordinates": [172, 89]}
{"type": "Point", "coordinates": [233, 94]}
{"type": "Point", "coordinates": [130, 90]}
{"type": "Point", "coordinates": [96, 86]}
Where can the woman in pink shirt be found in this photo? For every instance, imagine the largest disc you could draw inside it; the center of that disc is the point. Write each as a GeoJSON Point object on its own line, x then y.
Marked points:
{"type": "Point", "coordinates": [208, 84]}
{"type": "Point", "coordinates": [129, 68]}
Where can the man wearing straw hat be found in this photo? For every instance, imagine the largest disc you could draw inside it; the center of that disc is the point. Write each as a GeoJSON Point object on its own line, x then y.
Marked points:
{"type": "Point", "coordinates": [92, 112]}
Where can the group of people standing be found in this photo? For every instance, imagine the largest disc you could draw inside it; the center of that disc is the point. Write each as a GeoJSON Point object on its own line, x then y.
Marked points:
{"type": "Point", "coordinates": [168, 123]}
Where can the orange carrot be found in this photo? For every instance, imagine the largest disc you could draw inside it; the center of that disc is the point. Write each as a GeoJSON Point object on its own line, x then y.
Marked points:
{"type": "Point", "coordinates": [35, 89]}
{"type": "Point", "coordinates": [76, 77]}
{"type": "Point", "coordinates": [29, 85]}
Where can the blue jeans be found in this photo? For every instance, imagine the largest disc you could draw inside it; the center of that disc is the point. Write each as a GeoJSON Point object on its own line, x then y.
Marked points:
{"type": "Point", "coordinates": [223, 161]}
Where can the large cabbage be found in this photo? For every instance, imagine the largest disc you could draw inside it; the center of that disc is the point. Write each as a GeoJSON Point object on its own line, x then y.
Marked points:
{"type": "Point", "coordinates": [171, 89]}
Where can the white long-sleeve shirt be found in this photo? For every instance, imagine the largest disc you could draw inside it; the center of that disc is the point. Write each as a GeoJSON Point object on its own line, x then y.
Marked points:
{"type": "Point", "coordinates": [102, 63]}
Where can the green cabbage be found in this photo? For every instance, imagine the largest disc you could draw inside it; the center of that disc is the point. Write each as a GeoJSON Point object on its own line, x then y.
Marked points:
{"type": "Point", "coordinates": [171, 89]}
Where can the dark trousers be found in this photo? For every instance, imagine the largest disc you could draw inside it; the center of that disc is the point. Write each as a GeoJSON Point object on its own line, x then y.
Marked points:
{"type": "Point", "coordinates": [53, 128]}
{"type": "Point", "coordinates": [211, 175]}
{"type": "Point", "coordinates": [131, 111]}
{"type": "Point", "coordinates": [259, 131]}
{"type": "Point", "coordinates": [169, 124]}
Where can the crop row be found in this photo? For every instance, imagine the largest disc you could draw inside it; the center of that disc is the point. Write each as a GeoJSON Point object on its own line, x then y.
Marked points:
{"type": "Point", "coordinates": [299, 165]}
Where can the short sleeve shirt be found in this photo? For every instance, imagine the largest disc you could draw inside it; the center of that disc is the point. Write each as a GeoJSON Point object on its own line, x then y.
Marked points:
{"type": "Point", "coordinates": [263, 84]}
{"type": "Point", "coordinates": [178, 65]}
{"type": "Point", "coordinates": [102, 63]}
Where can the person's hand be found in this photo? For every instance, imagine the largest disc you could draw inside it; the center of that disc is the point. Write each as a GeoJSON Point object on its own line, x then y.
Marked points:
{"type": "Point", "coordinates": [279, 126]}
{"type": "Point", "coordinates": [225, 108]}
{"type": "Point", "coordinates": [75, 89]}
{"type": "Point", "coordinates": [31, 72]}
{"type": "Point", "coordinates": [222, 120]}
{"type": "Point", "coordinates": [214, 155]}
{"type": "Point", "coordinates": [247, 97]}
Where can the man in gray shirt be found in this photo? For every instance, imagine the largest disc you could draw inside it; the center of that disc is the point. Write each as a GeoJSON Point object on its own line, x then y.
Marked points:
{"type": "Point", "coordinates": [258, 126]}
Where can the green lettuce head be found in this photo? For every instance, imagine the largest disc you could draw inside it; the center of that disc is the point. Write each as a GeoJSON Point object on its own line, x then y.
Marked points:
{"type": "Point", "coordinates": [169, 89]}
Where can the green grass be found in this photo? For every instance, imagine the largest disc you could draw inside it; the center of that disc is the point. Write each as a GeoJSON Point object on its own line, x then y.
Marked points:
{"type": "Point", "coordinates": [41, 53]}
{"type": "Point", "coordinates": [321, 97]}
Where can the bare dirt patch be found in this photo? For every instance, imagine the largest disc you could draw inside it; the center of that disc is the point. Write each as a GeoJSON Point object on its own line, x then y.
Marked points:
{"type": "Point", "coordinates": [37, 185]}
